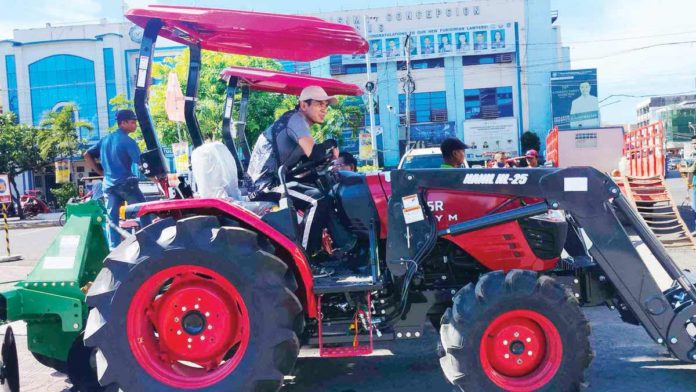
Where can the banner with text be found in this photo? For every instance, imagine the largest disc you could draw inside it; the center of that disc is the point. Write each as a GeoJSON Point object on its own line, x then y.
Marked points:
{"type": "Point", "coordinates": [5, 195]}
{"type": "Point", "coordinates": [574, 99]}
{"type": "Point", "coordinates": [443, 42]}
{"type": "Point", "coordinates": [486, 137]}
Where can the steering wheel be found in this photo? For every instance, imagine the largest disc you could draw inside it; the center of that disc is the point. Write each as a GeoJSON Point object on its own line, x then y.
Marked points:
{"type": "Point", "coordinates": [310, 165]}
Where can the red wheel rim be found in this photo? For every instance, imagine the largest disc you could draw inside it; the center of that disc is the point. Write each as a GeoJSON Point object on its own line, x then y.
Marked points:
{"type": "Point", "coordinates": [188, 327]}
{"type": "Point", "coordinates": [521, 350]}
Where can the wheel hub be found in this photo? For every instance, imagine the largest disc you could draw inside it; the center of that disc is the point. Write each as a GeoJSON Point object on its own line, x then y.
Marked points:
{"type": "Point", "coordinates": [188, 326]}
{"type": "Point", "coordinates": [517, 347]}
{"type": "Point", "coordinates": [193, 323]}
{"type": "Point", "coordinates": [521, 350]}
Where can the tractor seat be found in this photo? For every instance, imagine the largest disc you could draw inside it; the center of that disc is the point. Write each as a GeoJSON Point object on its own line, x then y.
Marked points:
{"type": "Point", "coordinates": [215, 174]}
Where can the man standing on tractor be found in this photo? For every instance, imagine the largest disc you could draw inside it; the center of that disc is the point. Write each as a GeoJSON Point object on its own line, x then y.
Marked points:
{"type": "Point", "coordinates": [453, 153]}
{"type": "Point", "coordinates": [118, 153]}
{"type": "Point", "coordinates": [288, 142]}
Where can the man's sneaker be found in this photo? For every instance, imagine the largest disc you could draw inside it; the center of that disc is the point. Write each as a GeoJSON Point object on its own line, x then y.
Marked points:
{"type": "Point", "coordinates": [321, 272]}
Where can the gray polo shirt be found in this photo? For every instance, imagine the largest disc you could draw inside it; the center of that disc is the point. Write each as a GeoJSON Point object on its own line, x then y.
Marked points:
{"type": "Point", "coordinates": [263, 165]}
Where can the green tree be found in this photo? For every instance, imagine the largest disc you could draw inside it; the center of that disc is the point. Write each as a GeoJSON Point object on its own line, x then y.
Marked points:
{"type": "Point", "coordinates": [343, 115]}
{"type": "Point", "coordinates": [19, 151]}
{"type": "Point", "coordinates": [530, 140]}
{"type": "Point", "coordinates": [64, 193]}
{"type": "Point", "coordinates": [60, 135]}
{"type": "Point", "coordinates": [211, 95]}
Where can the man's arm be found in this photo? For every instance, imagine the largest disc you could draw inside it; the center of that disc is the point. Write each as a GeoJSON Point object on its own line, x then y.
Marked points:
{"type": "Point", "coordinates": [690, 175]}
{"type": "Point", "coordinates": [307, 144]}
{"type": "Point", "coordinates": [90, 161]}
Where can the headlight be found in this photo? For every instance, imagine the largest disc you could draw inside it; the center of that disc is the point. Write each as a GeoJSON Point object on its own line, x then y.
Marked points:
{"type": "Point", "coordinates": [556, 216]}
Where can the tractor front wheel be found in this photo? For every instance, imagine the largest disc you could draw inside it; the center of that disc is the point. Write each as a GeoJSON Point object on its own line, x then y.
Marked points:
{"type": "Point", "coordinates": [193, 305]}
{"type": "Point", "coordinates": [515, 332]}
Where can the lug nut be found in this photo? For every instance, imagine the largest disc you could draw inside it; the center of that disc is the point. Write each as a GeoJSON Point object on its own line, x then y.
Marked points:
{"type": "Point", "coordinates": [505, 342]}
{"type": "Point", "coordinates": [210, 326]}
{"type": "Point", "coordinates": [507, 356]}
{"type": "Point", "coordinates": [190, 340]}
{"type": "Point", "coordinates": [673, 340]}
{"type": "Point", "coordinates": [183, 308]}
{"type": "Point", "coordinates": [530, 353]}
{"type": "Point", "coordinates": [207, 314]}
{"type": "Point", "coordinates": [202, 337]}
{"type": "Point", "coordinates": [178, 332]}
{"type": "Point", "coordinates": [529, 340]}
{"type": "Point", "coordinates": [195, 306]}
{"type": "Point", "coordinates": [517, 334]}
{"type": "Point", "coordinates": [519, 361]}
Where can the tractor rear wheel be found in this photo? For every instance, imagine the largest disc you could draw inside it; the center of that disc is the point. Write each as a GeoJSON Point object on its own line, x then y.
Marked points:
{"type": "Point", "coordinates": [193, 305]}
{"type": "Point", "coordinates": [515, 332]}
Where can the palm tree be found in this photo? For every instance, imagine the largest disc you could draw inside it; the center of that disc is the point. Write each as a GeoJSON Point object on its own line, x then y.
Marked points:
{"type": "Point", "coordinates": [60, 137]}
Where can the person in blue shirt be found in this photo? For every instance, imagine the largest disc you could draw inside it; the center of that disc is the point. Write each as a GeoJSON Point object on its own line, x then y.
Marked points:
{"type": "Point", "coordinates": [118, 153]}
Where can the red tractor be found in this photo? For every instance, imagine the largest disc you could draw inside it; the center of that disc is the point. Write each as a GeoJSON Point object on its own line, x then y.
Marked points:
{"type": "Point", "coordinates": [215, 297]}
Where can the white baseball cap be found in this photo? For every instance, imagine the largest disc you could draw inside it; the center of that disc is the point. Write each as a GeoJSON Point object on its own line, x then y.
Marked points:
{"type": "Point", "coordinates": [316, 93]}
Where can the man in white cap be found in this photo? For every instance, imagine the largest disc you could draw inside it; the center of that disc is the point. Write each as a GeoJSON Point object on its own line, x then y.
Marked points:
{"type": "Point", "coordinates": [287, 142]}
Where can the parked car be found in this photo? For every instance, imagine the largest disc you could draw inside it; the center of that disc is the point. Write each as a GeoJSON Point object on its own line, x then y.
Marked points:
{"type": "Point", "coordinates": [423, 158]}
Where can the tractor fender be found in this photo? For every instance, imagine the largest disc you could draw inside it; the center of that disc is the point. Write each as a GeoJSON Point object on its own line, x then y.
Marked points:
{"type": "Point", "coordinates": [244, 217]}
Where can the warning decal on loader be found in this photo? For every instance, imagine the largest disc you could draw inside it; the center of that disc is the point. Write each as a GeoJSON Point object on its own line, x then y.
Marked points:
{"type": "Point", "coordinates": [412, 209]}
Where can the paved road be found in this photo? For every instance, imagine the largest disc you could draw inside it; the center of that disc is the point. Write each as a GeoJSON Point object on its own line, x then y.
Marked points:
{"type": "Point", "coordinates": [626, 358]}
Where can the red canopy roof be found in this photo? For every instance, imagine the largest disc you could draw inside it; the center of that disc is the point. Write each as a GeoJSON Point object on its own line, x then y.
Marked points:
{"type": "Point", "coordinates": [289, 37]}
{"type": "Point", "coordinates": [287, 83]}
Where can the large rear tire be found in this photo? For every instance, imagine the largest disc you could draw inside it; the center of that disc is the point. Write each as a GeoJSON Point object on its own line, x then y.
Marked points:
{"type": "Point", "coordinates": [193, 305]}
{"type": "Point", "coordinates": [515, 332]}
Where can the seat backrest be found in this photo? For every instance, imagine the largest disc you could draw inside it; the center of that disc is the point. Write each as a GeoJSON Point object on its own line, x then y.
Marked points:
{"type": "Point", "coordinates": [215, 171]}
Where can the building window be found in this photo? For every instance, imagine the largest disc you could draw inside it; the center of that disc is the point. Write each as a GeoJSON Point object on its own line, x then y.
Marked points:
{"type": "Point", "coordinates": [503, 58]}
{"type": "Point", "coordinates": [425, 107]}
{"type": "Point", "coordinates": [337, 67]}
{"type": "Point", "coordinates": [65, 78]}
{"type": "Point", "coordinates": [586, 140]}
{"type": "Point", "coordinates": [12, 95]}
{"type": "Point", "coordinates": [423, 64]}
{"type": "Point", "coordinates": [110, 79]}
{"type": "Point", "coordinates": [298, 67]}
{"type": "Point", "coordinates": [488, 103]}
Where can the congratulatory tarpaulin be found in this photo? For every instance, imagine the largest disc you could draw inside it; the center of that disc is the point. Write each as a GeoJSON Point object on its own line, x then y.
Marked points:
{"type": "Point", "coordinates": [574, 99]}
{"type": "Point", "coordinates": [447, 41]}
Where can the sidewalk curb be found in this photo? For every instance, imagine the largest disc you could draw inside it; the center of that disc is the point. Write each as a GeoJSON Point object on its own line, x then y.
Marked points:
{"type": "Point", "coordinates": [32, 224]}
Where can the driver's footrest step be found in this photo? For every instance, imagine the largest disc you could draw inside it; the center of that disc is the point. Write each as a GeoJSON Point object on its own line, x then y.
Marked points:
{"type": "Point", "coordinates": [362, 320]}
{"type": "Point", "coordinates": [346, 351]}
{"type": "Point", "coordinates": [345, 280]}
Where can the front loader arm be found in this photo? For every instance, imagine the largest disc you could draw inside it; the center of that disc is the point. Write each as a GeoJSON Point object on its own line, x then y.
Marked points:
{"type": "Point", "coordinates": [585, 194]}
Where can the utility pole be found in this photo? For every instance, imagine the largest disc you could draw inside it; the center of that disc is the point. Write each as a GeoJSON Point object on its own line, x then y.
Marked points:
{"type": "Point", "coordinates": [370, 87]}
{"type": "Point", "coordinates": [409, 87]}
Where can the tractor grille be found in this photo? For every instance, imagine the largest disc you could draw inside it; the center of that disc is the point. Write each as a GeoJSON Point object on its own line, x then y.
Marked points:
{"type": "Point", "coordinates": [543, 243]}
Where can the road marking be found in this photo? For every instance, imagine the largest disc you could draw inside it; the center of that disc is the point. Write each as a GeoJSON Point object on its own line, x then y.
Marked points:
{"type": "Point", "coordinates": [29, 232]}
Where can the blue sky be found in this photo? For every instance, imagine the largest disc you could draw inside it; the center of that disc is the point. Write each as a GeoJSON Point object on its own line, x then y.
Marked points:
{"type": "Point", "coordinates": [611, 35]}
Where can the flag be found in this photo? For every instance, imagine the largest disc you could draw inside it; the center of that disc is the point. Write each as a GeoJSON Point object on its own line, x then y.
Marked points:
{"type": "Point", "coordinates": [174, 99]}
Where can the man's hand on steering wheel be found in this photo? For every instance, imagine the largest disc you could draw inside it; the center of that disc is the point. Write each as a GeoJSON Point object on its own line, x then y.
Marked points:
{"type": "Point", "coordinates": [322, 154]}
